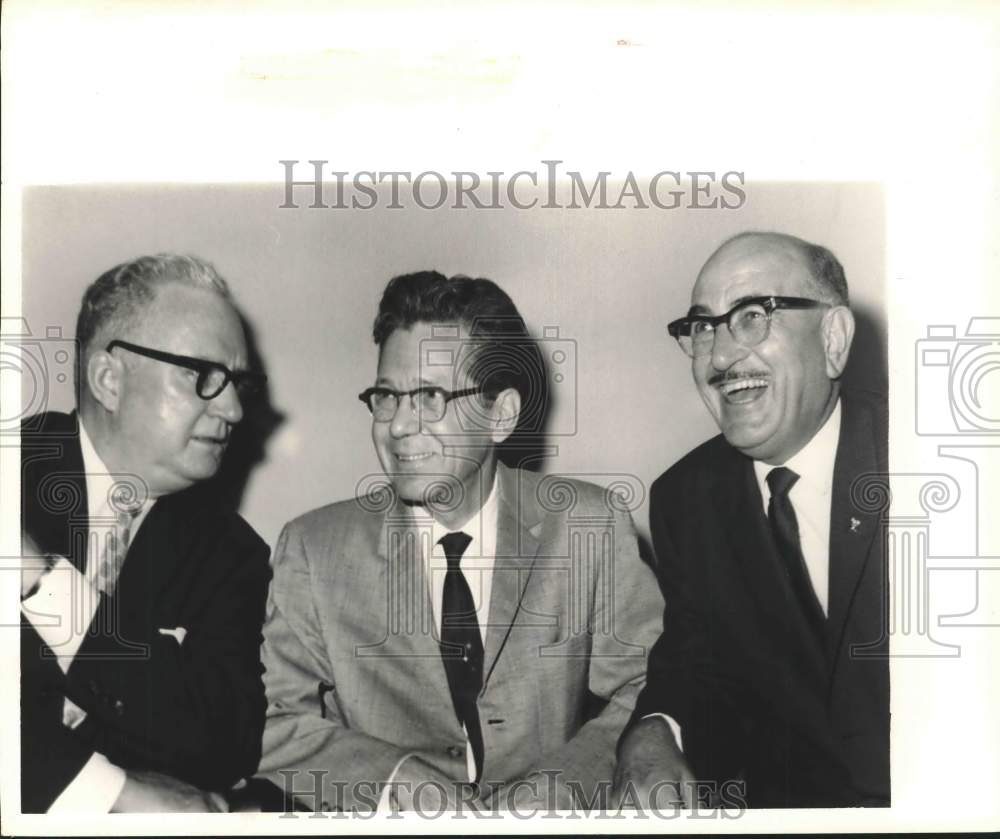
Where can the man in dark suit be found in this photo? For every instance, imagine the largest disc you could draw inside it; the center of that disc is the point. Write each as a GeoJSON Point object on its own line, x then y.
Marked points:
{"type": "Point", "coordinates": [142, 599]}
{"type": "Point", "coordinates": [772, 669]}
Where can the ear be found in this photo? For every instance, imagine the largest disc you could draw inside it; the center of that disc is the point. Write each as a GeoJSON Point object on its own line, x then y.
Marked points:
{"type": "Point", "coordinates": [838, 332]}
{"type": "Point", "coordinates": [104, 379]}
{"type": "Point", "coordinates": [505, 412]}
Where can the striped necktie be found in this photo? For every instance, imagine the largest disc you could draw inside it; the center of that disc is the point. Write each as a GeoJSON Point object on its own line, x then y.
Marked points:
{"type": "Point", "coordinates": [115, 549]}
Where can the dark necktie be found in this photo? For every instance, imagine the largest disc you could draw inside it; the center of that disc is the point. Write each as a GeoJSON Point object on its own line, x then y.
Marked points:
{"type": "Point", "coordinates": [461, 644]}
{"type": "Point", "coordinates": [785, 527]}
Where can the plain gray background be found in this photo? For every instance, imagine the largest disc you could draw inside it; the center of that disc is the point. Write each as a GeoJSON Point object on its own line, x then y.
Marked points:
{"type": "Point", "coordinates": [308, 281]}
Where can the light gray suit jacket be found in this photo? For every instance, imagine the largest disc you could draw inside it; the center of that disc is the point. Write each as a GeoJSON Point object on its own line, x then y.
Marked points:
{"type": "Point", "coordinates": [354, 675]}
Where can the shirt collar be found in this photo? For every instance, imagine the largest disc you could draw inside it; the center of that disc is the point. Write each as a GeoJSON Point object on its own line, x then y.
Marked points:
{"type": "Point", "coordinates": [99, 479]}
{"type": "Point", "coordinates": [814, 462]}
{"type": "Point", "coordinates": [481, 522]}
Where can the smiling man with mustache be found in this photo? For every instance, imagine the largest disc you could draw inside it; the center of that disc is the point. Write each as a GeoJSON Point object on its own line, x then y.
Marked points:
{"type": "Point", "coordinates": [146, 694]}
{"type": "Point", "coordinates": [771, 674]}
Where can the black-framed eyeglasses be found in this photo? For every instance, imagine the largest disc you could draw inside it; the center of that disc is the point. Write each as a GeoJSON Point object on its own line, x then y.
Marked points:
{"type": "Point", "coordinates": [212, 376]}
{"type": "Point", "coordinates": [749, 322]}
{"type": "Point", "coordinates": [429, 402]}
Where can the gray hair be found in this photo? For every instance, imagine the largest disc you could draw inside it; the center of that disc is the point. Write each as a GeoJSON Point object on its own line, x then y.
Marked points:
{"type": "Point", "coordinates": [825, 269]}
{"type": "Point", "coordinates": [117, 299]}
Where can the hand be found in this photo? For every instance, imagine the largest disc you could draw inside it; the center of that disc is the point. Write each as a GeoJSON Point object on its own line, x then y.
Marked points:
{"type": "Point", "coordinates": [152, 792]}
{"type": "Point", "coordinates": [34, 565]}
{"type": "Point", "coordinates": [652, 763]}
{"type": "Point", "coordinates": [419, 784]}
{"type": "Point", "coordinates": [535, 793]}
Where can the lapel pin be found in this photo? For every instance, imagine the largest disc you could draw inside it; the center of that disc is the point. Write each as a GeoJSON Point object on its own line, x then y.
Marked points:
{"type": "Point", "coordinates": [855, 524]}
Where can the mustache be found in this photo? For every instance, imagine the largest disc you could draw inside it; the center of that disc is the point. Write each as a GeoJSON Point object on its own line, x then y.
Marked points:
{"type": "Point", "coordinates": [730, 376]}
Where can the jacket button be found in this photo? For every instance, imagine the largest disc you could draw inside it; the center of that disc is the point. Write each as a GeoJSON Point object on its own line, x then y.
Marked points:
{"type": "Point", "coordinates": [119, 707]}
{"type": "Point", "coordinates": [456, 751]}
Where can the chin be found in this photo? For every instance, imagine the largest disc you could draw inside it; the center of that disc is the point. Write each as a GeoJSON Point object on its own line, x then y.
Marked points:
{"type": "Point", "coordinates": [766, 451]}
{"type": "Point", "coordinates": [409, 489]}
{"type": "Point", "coordinates": [199, 472]}
{"type": "Point", "coordinates": [749, 443]}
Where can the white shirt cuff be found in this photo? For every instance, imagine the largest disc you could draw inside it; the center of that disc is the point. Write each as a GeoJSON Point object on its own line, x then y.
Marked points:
{"type": "Point", "coordinates": [674, 727]}
{"type": "Point", "coordinates": [61, 610]}
{"type": "Point", "coordinates": [383, 799]}
{"type": "Point", "coordinates": [94, 790]}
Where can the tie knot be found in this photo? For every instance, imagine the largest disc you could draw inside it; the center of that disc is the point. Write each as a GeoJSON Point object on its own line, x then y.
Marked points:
{"type": "Point", "coordinates": [781, 480]}
{"type": "Point", "coordinates": [126, 515]}
{"type": "Point", "coordinates": [454, 545]}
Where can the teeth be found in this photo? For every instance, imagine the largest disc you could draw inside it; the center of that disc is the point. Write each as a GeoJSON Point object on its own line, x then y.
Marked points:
{"type": "Point", "coordinates": [409, 458]}
{"type": "Point", "coordinates": [741, 384]}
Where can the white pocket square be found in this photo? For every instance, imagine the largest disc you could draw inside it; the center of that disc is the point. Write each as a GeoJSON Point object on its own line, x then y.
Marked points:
{"type": "Point", "coordinates": [178, 633]}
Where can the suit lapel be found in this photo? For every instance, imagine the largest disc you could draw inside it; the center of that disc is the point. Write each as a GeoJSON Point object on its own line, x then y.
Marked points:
{"type": "Point", "coordinates": [852, 530]}
{"type": "Point", "coordinates": [517, 545]}
{"type": "Point", "coordinates": [156, 551]}
{"type": "Point", "coordinates": [411, 633]}
{"type": "Point", "coordinates": [402, 542]}
{"type": "Point", "coordinates": [739, 505]}
{"type": "Point", "coordinates": [54, 495]}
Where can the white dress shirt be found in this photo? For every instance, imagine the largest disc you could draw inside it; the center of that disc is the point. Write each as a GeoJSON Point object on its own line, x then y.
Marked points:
{"type": "Point", "coordinates": [811, 497]}
{"type": "Point", "coordinates": [61, 610]}
{"type": "Point", "coordinates": [477, 568]}
{"type": "Point", "coordinates": [477, 561]}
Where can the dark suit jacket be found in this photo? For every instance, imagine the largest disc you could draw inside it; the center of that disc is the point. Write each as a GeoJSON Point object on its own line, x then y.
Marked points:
{"type": "Point", "coordinates": [757, 696]}
{"type": "Point", "coordinates": [194, 710]}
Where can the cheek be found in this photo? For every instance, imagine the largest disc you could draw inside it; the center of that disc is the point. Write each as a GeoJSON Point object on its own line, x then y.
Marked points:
{"type": "Point", "coordinates": [709, 395]}
{"type": "Point", "coordinates": [789, 381]}
{"type": "Point", "coordinates": [444, 434]}
{"type": "Point", "coordinates": [380, 439]}
{"type": "Point", "coordinates": [467, 459]}
{"type": "Point", "coordinates": [184, 415]}
{"type": "Point", "coordinates": [700, 371]}
{"type": "Point", "coordinates": [161, 399]}
{"type": "Point", "coordinates": [147, 413]}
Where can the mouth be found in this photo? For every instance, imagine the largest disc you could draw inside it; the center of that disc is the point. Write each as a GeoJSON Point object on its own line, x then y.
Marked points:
{"type": "Point", "coordinates": [743, 390]}
{"type": "Point", "coordinates": [211, 441]}
{"type": "Point", "coordinates": [413, 458]}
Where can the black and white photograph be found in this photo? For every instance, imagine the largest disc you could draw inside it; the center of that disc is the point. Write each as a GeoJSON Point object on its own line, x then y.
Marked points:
{"type": "Point", "coordinates": [414, 432]}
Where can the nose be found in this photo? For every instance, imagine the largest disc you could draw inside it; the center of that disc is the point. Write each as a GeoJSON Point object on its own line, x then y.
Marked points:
{"type": "Point", "coordinates": [404, 421]}
{"type": "Point", "coordinates": [726, 351]}
{"type": "Point", "coordinates": [227, 405]}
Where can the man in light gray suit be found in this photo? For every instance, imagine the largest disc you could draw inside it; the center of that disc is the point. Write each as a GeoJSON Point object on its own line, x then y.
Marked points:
{"type": "Point", "coordinates": [466, 630]}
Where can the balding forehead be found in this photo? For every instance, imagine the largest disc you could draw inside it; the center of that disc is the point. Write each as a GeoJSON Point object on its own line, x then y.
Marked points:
{"type": "Point", "coordinates": [757, 264]}
{"type": "Point", "coordinates": [769, 244]}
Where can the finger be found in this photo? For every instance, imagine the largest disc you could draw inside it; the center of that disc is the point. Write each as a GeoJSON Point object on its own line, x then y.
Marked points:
{"type": "Point", "coordinates": [614, 800]}
{"type": "Point", "coordinates": [689, 791]}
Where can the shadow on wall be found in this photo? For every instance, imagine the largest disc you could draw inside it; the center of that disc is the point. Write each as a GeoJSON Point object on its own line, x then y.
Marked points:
{"type": "Point", "coordinates": [248, 444]}
{"type": "Point", "coordinates": [868, 366]}
{"type": "Point", "coordinates": [529, 447]}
